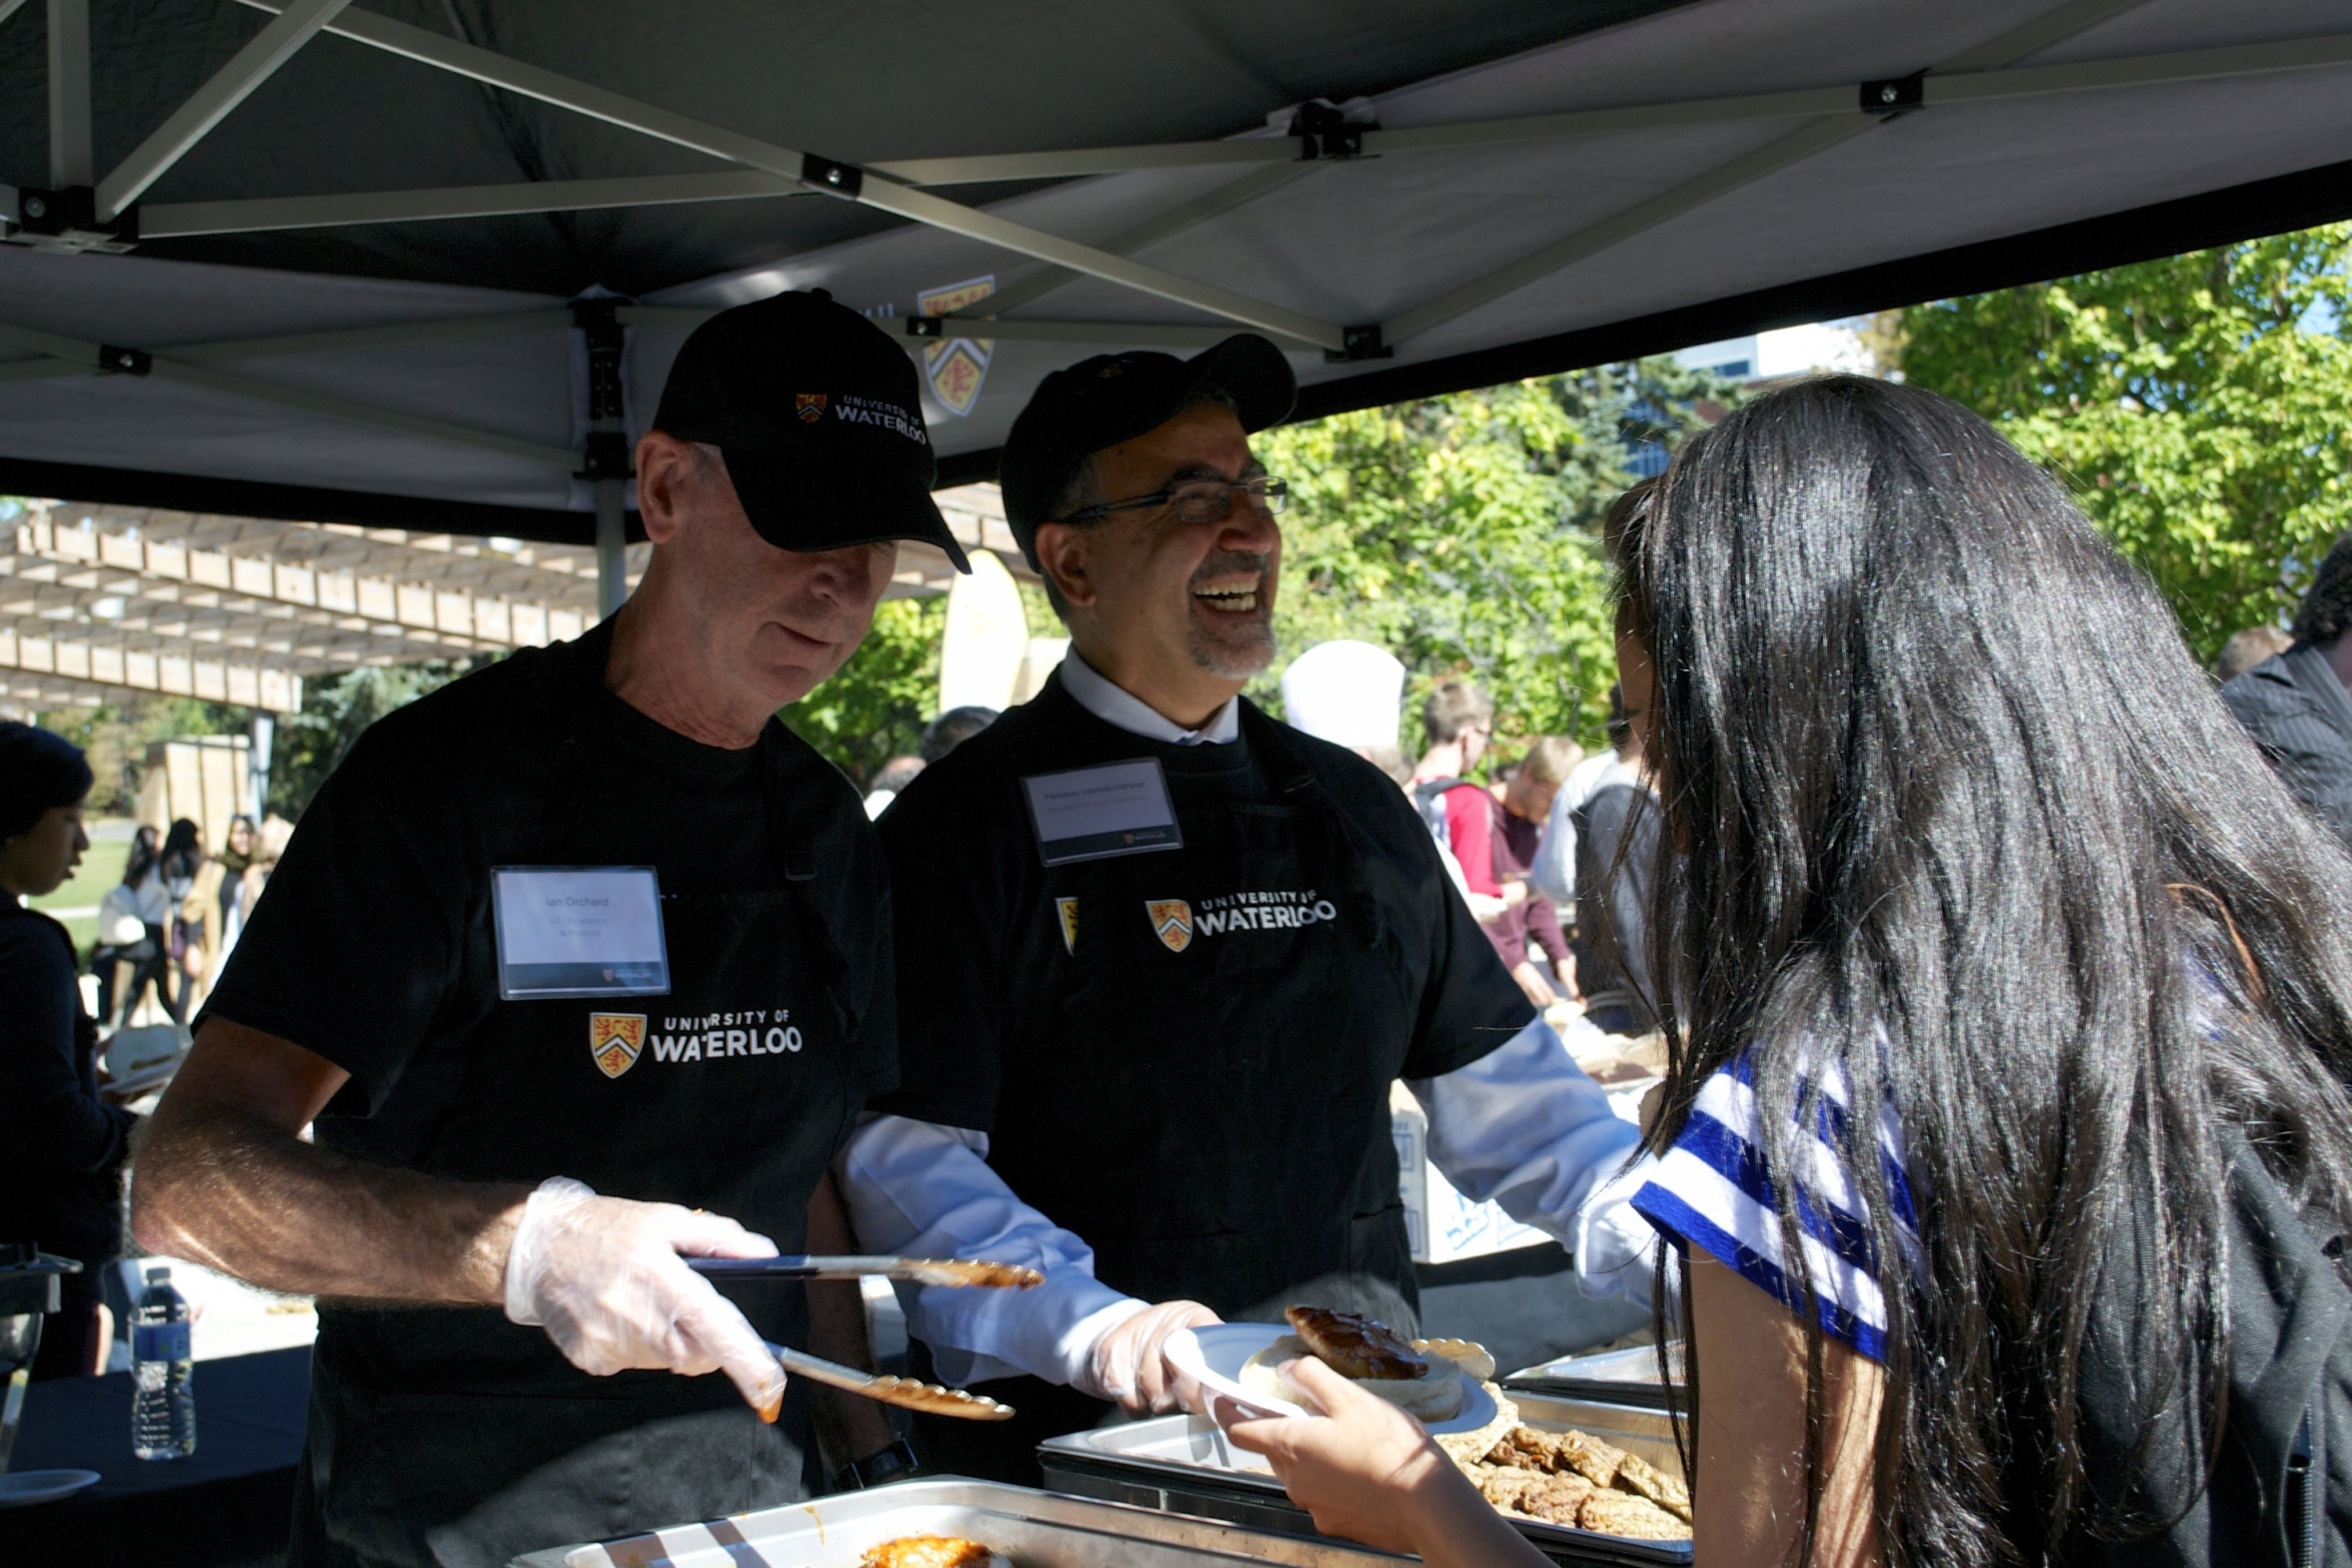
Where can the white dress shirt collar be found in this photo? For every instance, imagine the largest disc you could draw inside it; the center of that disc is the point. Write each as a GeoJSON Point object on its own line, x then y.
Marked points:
{"type": "Point", "coordinates": [1113, 704]}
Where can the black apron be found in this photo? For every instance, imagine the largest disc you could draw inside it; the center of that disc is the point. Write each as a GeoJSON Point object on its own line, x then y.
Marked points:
{"type": "Point", "coordinates": [1209, 1109]}
{"type": "Point", "coordinates": [455, 1438]}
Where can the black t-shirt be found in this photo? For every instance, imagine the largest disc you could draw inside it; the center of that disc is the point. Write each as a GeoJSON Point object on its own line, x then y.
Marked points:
{"type": "Point", "coordinates": [61, 1147]}
{"type": "Point", "coordinates": [372, 945]}
{"type": "Point", "coordinates": [982, 949]}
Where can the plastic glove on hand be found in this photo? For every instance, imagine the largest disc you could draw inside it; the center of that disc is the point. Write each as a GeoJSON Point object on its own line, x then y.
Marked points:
{"type": "Point", "coordinates": [1128, 1365]}
{"type": "Point", "coordinates": [602, 1276]}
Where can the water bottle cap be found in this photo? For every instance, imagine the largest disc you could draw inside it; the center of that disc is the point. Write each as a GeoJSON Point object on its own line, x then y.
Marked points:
{"type": "Point", "coordinates": [158, 1276]}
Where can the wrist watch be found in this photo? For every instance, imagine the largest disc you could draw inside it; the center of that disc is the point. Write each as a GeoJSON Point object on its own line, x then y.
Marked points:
{"type": "Point", "coordinates": [893, 1463]}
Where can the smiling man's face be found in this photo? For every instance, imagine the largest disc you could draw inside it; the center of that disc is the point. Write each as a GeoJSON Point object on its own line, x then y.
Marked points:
{"type": "Point", "coordinates": [1166, 608]}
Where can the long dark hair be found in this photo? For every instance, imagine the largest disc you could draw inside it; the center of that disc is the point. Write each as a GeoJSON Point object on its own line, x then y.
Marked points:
{"type": "Point", "coordinates": [182, 849]}
{"type": "Point", "coordinates": [141, 858]}
{"type": "Point", "coordinates": [1951, 811]}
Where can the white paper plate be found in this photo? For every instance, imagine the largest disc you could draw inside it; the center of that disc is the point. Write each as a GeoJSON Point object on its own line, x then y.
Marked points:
{"type": "Point", "coordinates": [26, 1488]}
{"type": "Point", "coordinates": [1213, 1357]}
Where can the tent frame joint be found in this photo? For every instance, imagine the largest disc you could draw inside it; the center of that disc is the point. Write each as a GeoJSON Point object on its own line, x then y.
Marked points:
{"type": "Point", "coordinates": [115, 360]}
{"type": "Point", "coordinates": [828, 178]}
{"type": "Point", "coordinates": [1893, 97]}
{"type": "Point", "coordinates": [1362, 343]}
{"type": "Point", "coordinates": [66, 219]}
{"type": "Point", "coordinates": [1324, 131]}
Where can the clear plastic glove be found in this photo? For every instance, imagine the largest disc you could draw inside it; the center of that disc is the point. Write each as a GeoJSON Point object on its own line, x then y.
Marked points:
{"type": "Point", "coordinates": [1127, 1363]}
{"type": "Point", "coordinates": [603, 1278]}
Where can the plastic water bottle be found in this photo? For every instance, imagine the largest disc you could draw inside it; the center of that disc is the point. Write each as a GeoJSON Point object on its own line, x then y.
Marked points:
{"type": "Point", "coordinates": [163, 1397]}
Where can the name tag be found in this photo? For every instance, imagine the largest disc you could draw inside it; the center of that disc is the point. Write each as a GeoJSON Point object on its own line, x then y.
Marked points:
{"type": "Point", "coordinates": [579, 931]}
{"type": "Point", "coordinates": [1092, 814]}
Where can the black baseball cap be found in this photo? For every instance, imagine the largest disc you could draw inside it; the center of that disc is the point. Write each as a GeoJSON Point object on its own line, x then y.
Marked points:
{"type": "Point", "coordinates": [817, 413]}
{"type": "Point", "coordinates": [1110, 398]}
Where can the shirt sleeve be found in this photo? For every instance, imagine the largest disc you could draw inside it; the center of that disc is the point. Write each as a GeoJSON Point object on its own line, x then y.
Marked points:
{"type": "Point", "coordinates": [359, 940]}
{"type": "Point", "coordinates": [1712, 1193]}
{"type": "Point", "coordinates": [1526, 1128]}
{"type": "Point", "coordinates": [51, 1120]}
{"type": "Point", "coordinates": [923, 1190]}
{"type": "Point", "coordinates": [1544, 931]}
{"type": "Point", "coordinates": [2302, 745]}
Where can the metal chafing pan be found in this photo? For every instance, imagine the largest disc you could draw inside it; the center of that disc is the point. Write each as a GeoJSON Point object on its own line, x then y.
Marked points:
{"type": "Point", "coordinates": [1031, 1529]}
{"type": "Point", "coordinates": [1628, 1376]}
{"type": "Point", "coordinates": [1183, 1464]}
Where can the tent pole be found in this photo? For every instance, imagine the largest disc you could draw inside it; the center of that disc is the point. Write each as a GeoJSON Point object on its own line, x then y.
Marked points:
{"type": "Point", "coordinates": [2006, 49]}
{"type": "Point", "coordinates": [70, 160]}
{"type": "Point", "coordinates": [612, 548]}
{"type": "Point", "coordinates": [212, 103]}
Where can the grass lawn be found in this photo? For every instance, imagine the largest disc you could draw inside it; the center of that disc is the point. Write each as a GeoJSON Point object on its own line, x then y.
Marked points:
{"type": "Point", "coordinates": [109, 847]}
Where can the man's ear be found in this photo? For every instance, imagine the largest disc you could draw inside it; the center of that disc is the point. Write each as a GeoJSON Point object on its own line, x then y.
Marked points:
{"type": "Point", "coordinates": [1062, 557]}
{"type": "Point", "coordinates": [666, 469]}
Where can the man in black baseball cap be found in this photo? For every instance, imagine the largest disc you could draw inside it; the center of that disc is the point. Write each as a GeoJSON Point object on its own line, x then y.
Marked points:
{"type": "Point", "coordinates": [624, 979]}
{"type": "Point", "coordinates": [1175, 954]}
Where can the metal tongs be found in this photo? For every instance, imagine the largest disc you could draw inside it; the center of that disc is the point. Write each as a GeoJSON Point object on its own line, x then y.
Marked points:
{"type": "Point", "coordinates": [912, 1392]}
{"type": "Point", "coordinates": [921, 1270]}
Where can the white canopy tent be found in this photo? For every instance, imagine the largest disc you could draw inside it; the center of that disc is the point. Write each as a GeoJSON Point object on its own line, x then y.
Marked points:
{"type": "Point", "coordinates": [424, 264]}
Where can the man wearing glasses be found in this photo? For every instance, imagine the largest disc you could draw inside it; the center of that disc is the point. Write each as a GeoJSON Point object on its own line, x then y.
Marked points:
{"type": "Point", "coordinates": [1174, 954]}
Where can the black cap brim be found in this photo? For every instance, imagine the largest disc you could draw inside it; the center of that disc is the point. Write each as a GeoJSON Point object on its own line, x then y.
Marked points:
{"type": "Point", "coordinates": [796, 505]}
{"type": "Point", "coordinates": [1246, 368]}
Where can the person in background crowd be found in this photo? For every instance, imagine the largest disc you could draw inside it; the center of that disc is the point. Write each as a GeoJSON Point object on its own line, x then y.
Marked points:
{"type": "Point", "coordinates": [2295, 704]}
{"type": "Point", "coordinates": [1533, 920]}
{"type": "Point", "coordinates": [888, 780]}
{"type": "Point", "coordinates": [952, 728]}
{"type": "Point", "coordinates": [213, 909]}
{"type": "Point", "coordinates": [61, 1147]}
{"type": "Point", "coordinates": [2006, 1139]}
{"type": "Point", "coordinates": [129, 942]}
{"type": "Point", "coordinates": [182, 860]}
{"type": "Point", "coordinates": [1616, 838]}
{"type": "Point", "coordinates": [1459, 720]}
{"type": "Point", "coordinates": [2248, 649]}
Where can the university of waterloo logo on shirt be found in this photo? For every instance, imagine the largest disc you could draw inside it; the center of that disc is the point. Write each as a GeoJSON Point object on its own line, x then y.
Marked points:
{"type": "Point", "coordinates": [615, 1039]}
{"type": "Point", "coordinates": [1172, 919]}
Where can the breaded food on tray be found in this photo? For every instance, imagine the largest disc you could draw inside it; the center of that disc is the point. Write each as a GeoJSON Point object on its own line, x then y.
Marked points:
{"type": "Point", "coordinates": [1574, 1479]}
{"type": "Point", "coordinates": [932, 1551]}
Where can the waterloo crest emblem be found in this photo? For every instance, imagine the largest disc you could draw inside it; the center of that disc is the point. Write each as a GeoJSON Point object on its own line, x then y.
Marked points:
{"type": "Point", "coordinates": [614, 1039]}
{"type": "Point", "coordinates": [1069, 910]}
{"type": "Point", "coordinates": [1172, 921]}
{"type": "Point", "coordinates": [809, 405]}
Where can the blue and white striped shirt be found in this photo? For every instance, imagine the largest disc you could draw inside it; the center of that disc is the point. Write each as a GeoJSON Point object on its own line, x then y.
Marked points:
{"type": "Point", "coordinates": [1711, 1192]}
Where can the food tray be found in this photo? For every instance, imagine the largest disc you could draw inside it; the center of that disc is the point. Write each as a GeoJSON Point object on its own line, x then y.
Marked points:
{"type": "Point", "coordinates": [1184, 1465]}
{"type": "Point", "coordinates": [1033, 1529]}
{"type": "Point", "coordinates": [1628, 1376]}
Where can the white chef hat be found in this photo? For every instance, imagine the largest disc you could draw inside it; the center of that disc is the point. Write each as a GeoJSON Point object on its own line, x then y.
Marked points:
{"type": "Point", "coordinates": [1344, 692]}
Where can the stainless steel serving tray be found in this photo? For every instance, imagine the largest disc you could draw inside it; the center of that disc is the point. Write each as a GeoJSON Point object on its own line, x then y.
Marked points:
{"type": "Point", "coordinates": [1182, 1464]}
{"type": "Point", "coordinates": [1627, 1376]}
{"type": "Point", "coordinates": [1033, 1528]}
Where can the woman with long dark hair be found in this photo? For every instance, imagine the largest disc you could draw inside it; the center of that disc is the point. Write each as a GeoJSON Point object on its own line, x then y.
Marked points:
{"type": "Point", "coordinates": [61, 1147]}
{"type": "Point", "coordinates": [2009, 1003]}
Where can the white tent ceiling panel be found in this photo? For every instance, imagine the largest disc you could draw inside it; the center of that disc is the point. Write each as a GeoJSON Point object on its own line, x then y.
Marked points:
{"type": "Point", "coordinates": [1735, 184]}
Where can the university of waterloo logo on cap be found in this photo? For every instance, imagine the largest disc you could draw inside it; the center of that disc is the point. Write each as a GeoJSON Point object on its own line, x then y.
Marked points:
{"type": "Point", "coordinates": [809, 405]}
{"type": "Point", "coordinates": [1172, 920]}
{"type": "Point", "coordinates": [614, 1039]}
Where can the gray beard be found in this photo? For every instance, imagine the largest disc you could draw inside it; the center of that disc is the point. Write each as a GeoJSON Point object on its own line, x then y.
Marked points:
{"type": "Point", "coordinates": [1230, 660]}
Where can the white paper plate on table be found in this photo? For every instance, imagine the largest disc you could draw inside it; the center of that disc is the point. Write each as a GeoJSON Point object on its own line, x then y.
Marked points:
{"type": "Point", "coordinates": [26, 1488]}
{"type": "Point", "coordinates": [1213, 1357]}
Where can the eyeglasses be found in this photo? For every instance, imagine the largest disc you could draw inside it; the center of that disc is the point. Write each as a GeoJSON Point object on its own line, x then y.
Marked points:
{"type": "Point", "coordinates": [1196, 501]}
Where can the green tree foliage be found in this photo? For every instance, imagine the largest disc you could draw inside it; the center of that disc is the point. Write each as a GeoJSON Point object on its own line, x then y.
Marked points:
{"type": "Point", "coordinates": [1461, 534]}
{"type": "Point", "coordinates": [875, 707]}
{"type": "Point", "coordinates": [2197, 406]}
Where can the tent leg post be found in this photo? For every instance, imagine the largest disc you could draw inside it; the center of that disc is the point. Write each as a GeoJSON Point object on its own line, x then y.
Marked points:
{"type": "Point", "coordinates": [612, 548]}
{"type": "Point", "coordinates": [71, 159]}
